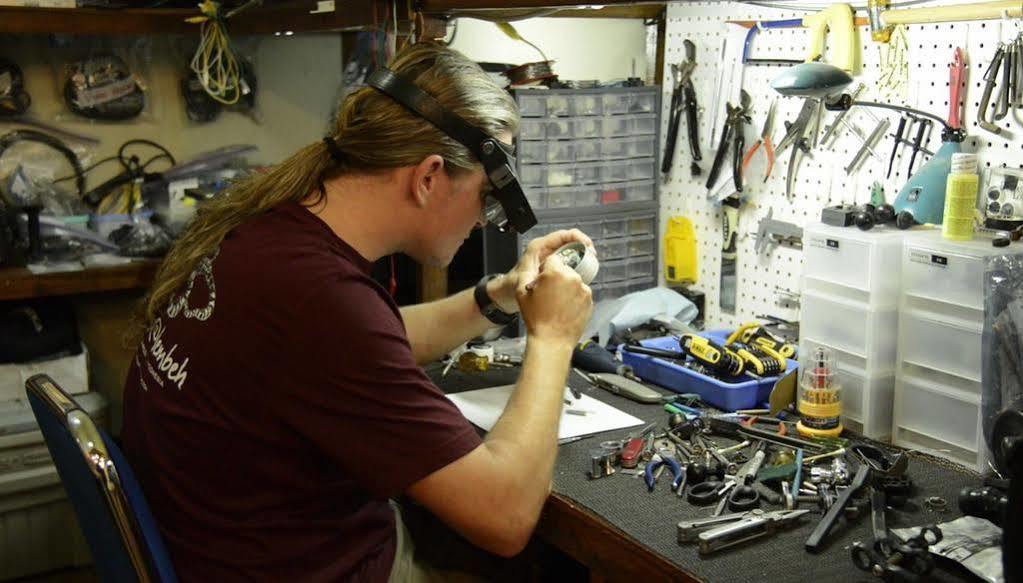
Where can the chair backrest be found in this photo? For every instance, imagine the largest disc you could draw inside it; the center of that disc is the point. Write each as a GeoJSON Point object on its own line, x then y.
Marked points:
{"type": "Point", "coordinates": [111, 509]}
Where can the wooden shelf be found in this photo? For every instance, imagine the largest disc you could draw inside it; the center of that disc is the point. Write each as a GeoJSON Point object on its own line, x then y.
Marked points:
{"type": "Point", "coordinates": [19, 283]}
{"type": "Point", "coordinates": [294, 16]}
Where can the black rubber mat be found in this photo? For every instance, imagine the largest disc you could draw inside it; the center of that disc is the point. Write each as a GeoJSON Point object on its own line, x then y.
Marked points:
{"type": "Point", "coordinates": [651, 517]}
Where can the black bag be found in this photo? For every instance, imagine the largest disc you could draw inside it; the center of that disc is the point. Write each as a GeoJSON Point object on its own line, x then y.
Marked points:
{"type": "Point", "coordinates": [37, 329]}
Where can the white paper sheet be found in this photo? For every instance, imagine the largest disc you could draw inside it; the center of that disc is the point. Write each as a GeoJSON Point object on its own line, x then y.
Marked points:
{"type": "Point", "coordinates": [483, 407]}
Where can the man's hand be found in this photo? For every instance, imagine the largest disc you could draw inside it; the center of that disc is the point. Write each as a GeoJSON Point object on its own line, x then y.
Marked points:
{"type": "Point", "coordinates": [502, 289]}
{"type": "Point", "coordinates": [557, 305]}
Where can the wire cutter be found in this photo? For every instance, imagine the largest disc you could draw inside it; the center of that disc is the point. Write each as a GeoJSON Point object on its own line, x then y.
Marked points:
{"type": "Point", "coordinates": [732, 132]}
{"type": "Point", "coordinates": [683, 96]}
{"type": "Point", "coordinates": [765, 140]}
{"type": "Point", "coordinates": [801, 135]}
{"type": "Point", "coordinates": [676, 472]}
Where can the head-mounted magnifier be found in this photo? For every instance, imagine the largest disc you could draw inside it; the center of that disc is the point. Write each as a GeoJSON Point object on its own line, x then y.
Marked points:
{"type": "Point", "coordinates": [512, 208]}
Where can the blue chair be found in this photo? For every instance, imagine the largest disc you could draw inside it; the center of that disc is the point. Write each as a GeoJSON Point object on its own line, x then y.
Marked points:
{"type": "Point", "coordinates": [113, 514]}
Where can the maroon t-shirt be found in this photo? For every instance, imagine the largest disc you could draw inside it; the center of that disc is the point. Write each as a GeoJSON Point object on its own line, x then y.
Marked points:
{"type": "Point", "coordinates": [274, 407]}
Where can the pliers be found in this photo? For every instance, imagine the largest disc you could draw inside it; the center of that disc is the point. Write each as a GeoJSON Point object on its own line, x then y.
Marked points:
{"type": "Point", "coordinates": [765, 139]}
{"type": "Point", "coordinates": [683, 96]}
{"type": "Point", "coordinates": [676, 471]}
{"type": "Point", "coordinates": [733, 131]}
{"type": "Point", "coordinates": [801, 135]}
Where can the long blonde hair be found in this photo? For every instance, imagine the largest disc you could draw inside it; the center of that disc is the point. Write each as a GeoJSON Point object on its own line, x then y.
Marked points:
{"type": "Point", "coordinates": [373, 133]}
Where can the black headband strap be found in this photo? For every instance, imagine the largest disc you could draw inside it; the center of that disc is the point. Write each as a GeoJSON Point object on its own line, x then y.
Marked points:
{"type": "Point", "coordinates": [333, 149]}
{"type": "Point", "coordinates": [426, 106]}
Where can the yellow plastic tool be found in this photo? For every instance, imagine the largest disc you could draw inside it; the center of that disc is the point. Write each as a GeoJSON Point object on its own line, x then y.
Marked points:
{"type": "Point", "coordinates": [680, 259]}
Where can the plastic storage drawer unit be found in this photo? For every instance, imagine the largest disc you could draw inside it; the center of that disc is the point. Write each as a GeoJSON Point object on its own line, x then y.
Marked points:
{"type": "Point", "coordinates": [858, 265]}
{"type": "Point", "coordinates": [947, 272]}
{"type": "Point", "coordinates": [851, 327]}
{"type": "Point", "coordinates": [942, 343]}
{"type": "Point", "coordinates": [936, 418]}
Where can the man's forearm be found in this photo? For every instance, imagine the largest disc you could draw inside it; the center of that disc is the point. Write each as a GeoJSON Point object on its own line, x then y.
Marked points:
{"type": "Point", "coordinates": [436, 328]}
{"type": "Point", "coordinates": [525, 438]}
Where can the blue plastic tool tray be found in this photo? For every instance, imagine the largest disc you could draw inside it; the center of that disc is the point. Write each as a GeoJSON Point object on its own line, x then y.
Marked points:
{"type": "Point", "coordinates": [745, 392]}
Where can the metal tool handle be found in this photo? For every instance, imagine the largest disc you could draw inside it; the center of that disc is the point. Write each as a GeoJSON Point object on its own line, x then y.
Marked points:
{"type": "Point", "coordinates": [985, 97]}
{"type": "Point", "coordinates": [1004, 86]}
{"type": "Point", "coordinates": [673, 123]}
{"type": "Point", "coordinates": [814, 543]}
{"type": "Point", "coordinates": [719, 156]}
{"type": "Point", "coordinates": [692, 126]}
{"type": "Point", "coordinates": [955, 84]}
{"type": "Point", "coordinates": [738, 148]}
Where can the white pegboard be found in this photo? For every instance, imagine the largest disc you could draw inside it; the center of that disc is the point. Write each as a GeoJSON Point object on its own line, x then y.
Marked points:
{"type": "Point", "coordinates": [821, 179]}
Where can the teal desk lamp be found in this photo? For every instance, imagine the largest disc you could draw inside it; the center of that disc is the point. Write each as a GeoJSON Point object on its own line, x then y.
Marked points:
{"type": "Point", "coordinates": [922, 199]}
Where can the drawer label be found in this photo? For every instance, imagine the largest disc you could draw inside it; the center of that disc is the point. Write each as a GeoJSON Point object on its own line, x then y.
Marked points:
{"type": "Point", "coordinates": [928, 258]}
{"type": "Point", "coordinates": [825, 243]}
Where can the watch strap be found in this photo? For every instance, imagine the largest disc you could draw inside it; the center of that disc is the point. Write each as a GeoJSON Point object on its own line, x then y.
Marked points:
{"type": "Point", "coordinates": [487, 307]}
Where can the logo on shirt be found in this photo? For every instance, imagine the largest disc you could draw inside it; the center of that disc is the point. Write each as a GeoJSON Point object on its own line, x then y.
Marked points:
{"type": "Point", "coordinates": [181, 303]}
{"type": "Point", "coordinates": [160, 362]}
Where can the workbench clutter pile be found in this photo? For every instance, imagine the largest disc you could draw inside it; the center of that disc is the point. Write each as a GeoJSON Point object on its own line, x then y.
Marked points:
{"type": "Point", "coordinates": [741, 438]}
{"type": "Point", "coordinates": [899, 260]}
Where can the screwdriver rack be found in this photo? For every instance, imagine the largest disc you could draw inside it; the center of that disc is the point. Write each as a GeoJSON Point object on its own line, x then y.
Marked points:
{"type": "Point", "coordinates": [821, 179]}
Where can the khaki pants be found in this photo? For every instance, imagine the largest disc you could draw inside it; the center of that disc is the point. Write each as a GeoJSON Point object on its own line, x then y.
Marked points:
{"type": "Point", "coordinates": [443, 556]}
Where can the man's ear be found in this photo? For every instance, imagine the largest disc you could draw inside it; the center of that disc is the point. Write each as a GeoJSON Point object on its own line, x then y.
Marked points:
{"type": "Point", "coordinates": [428, 177]}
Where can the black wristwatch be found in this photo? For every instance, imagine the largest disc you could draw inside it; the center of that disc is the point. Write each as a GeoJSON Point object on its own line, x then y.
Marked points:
{"type": "Point", "coordinates": [487, 306]}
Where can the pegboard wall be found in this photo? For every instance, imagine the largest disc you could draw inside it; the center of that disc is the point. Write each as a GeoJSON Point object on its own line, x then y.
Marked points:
{"type": "Point", "coordinates": [821, 179]}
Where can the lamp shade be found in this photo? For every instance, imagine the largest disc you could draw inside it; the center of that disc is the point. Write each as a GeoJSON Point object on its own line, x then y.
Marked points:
{"type": "Point", "coordinates": [811, 80]}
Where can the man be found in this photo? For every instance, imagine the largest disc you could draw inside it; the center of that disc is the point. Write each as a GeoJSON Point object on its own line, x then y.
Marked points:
{"type": "Point", "coordinates": [275, 404]}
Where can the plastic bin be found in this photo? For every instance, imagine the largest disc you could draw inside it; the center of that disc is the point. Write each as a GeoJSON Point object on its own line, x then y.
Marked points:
{"type": "Point", "coordinates": [559, 104]}
{"type": "Point", "coordinates": [642, 102]}
{"type": "Point", "coordinates": [851, 326]}
{"type": "Point", "coordinates": [611, 271]}
{"type": "Point", "coordinates": [864, 266]}
{"type": "Point", "coordinates": [589, 173]}
{"type": "Point", "coordinates": [589, 150]}
{"type": "Point", "coordinates": [937, 418]}
{"type": "Point", "coordinates": [947, 272]}
{"type": "Point", "coordinates": [533, 175]}
{"type": "Point", "coordinates": [588, 127]}
{"type": "Point", "coordinates": [532, 105]}
{"type": "Point", "coordinates": [616, 103]}
{"type": "Point", "coordinates": [641, 267]}
{"type": "Point", "coordinates": [614, 228]}
{"type": "Point", "coordinates": [941, 342]}
{"type": "Point", "coordinates": [746, 393]}
{"type": "Point", "coordinates": [639, 191]}
{"type": "Point", "coordinates": [641, 225]}
{"type": "Point", "coordinates": [537, 196]}
{"type": "Point", "coordinates": [611, 249]}
{"type": "Point", "coordinates": [571, 196]}
{"type": "Point", "coordinates": [636, 147]}
{"type": "Point", "coordinates": [614, 193]}
{"type": "Point", "coordinates": [534, 152]}
{"type": "Point", "coordinates": [587, 104]}
{"type": "Point", "coordinates": [641, 169]}
{"type": "Point", "coordinates": [641, 246]}
{"type": "Point", "coordinates": [618, 172]}
{"type": "Point", "coordinates": [560, 175]}
{"type": "Point", "coordinates": [560, 129]}
{"type": "Point", "coordinates": [533, 129]}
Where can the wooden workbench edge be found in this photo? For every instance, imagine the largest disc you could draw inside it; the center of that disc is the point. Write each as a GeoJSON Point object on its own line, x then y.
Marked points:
{"type": "Point", "coordinates": [607, 551]}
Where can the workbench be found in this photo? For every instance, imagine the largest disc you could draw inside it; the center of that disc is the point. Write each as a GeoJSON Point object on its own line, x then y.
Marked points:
{"type": "Point", "coordinates": [621, 532]}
